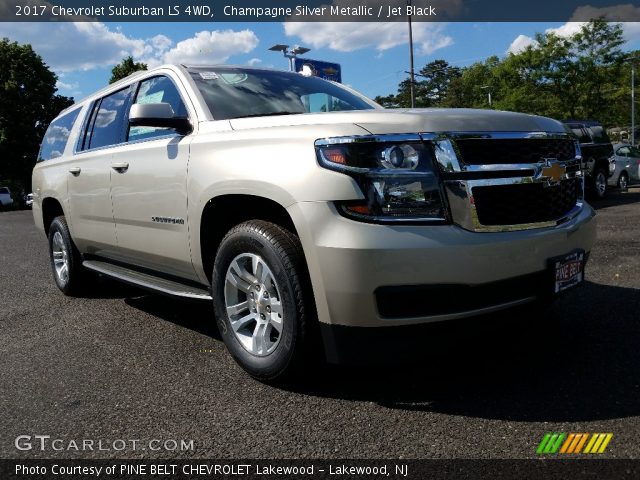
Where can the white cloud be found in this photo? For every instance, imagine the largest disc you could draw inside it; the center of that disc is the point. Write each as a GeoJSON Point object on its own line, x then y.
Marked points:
{"type": "Point", "coordinates": [630, 29]}
{"type": "Point", "coordinates": [520, 44]}
{"type": "Point", "coordinates": [60, 85]}
{"type": "Point", "coordinates": [211, 47]}
{"type": "Point", "coordinates": [81, 46]}
{"type": "Point", "coordinates": [613, 13]}
{"type": "Point", "coordinates": [350, 36]}
{"type": "Point", "coordinates": [253, 62]}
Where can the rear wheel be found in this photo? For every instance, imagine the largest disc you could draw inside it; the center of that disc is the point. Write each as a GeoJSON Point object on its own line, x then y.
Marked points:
{"type": "Point", "coordinates": [261, 299]}
{"type": "Point", "coordinates": [600, 183]}
{"type": "Point", "coordinates": [623, 181]}
{"type": "Point", "coordinates": [66, 262]}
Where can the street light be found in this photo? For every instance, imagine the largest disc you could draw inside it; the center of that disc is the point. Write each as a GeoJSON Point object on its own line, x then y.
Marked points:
{"type": "Point", "coordinates": [290, 54]}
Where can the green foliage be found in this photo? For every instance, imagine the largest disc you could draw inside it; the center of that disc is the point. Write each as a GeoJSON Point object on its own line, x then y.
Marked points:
{"type": "Point", "coordinates": [125, 68]}
{"type": "Point", "coordinates": [431, 86]}
{"type": "Point", "coordinates": [28, 103]}
{"type": "Point", "coordinates": [585, 75]}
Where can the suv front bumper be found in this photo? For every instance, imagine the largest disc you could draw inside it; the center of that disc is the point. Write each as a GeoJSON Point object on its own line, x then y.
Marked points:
{"type": "Point", "coordinates": [362, 273]}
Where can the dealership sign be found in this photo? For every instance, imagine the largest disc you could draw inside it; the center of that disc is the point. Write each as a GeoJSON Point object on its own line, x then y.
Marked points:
{"type": "Point", "coordinates": [317, 68]}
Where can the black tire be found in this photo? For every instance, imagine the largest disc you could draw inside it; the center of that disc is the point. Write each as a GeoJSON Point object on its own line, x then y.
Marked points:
{"type": "Point", "coordinates": [75, 282]}
{"type": "Point", "coordinates": [599, 183]}
{"type": "Point", "coordinates": [623, 181]}
{"type": "Point", "coordinates": [281, 252]}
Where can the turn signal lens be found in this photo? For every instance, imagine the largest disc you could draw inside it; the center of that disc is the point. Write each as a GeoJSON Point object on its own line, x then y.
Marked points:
{"type": "Point", "coordinates": [335, 155]}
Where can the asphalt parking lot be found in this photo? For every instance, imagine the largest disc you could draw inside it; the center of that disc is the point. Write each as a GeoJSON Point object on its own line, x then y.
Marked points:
{"type": "Point", "coordinates": [124, 364]}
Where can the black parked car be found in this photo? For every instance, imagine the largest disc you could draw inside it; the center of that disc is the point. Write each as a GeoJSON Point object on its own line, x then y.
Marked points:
{"type": "Point", "coordinates": [597, 152]}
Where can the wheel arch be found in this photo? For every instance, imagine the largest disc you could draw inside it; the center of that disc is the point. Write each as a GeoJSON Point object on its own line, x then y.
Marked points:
{"type": "Point", "coordinates": [51, 208]}
{"type": "Point", "coordinates": [223, 212]}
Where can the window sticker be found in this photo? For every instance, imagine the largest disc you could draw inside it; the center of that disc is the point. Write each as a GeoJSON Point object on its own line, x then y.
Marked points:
{"type": "Point", "coordinates": [209, 75]}
{"type": "Point", "coordinates": [234, 78]}
{"type": "Point", "coordinates": [153, 98]}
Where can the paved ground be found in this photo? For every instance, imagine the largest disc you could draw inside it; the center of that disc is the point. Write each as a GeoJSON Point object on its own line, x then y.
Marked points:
{"type": "Point", "coordinates": [131, 366]}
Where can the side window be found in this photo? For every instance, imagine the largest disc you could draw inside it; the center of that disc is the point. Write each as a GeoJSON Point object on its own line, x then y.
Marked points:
{"type": "Point", "coordinates": [623, 151]}
{"type": "Point", "coordinates": [323, 102]}
{"type": "Point", "coordinates": [581, 133]}
{"type": "Point", "coordinates": [105, 127]}
{"type": "Point", "coordinates": [55, 140]}
{"type": "Point", "coordinates": [157, 90]}
{"type": "Point", "coordinates": [599, 135]}
{"type": "Point", "coordinates": [635, 152]}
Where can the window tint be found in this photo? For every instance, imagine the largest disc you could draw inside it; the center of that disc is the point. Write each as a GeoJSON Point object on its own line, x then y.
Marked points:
{"type": "Point", "coordinates": [107, 127]}
{"type": "Point", "coordinates": [599, 135]}
{"type": "Point", "coordinates": [5, 190]}
{"type": "Point", "coordinates": [237, 93]}
{"type": "Point", "coordinates": [55, 140]}
{"type": "Point", "coordinates": [157, 90]}
{"type": "Point", "coordinates": [635, 152]}
{"type": "Point", "coordinates": [581, 133]}
{"type": "Point", "coordinates": [623, 151]}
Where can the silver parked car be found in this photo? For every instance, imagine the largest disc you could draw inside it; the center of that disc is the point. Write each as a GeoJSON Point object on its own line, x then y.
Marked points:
{"type": "Point", "coordinates": [627, 166]}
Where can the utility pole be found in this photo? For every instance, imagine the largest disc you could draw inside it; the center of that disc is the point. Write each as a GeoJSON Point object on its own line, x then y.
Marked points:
{"type": "Point", "coordinates": [412, 77]}
{"type": "Point", "coordinates": [633, 103]}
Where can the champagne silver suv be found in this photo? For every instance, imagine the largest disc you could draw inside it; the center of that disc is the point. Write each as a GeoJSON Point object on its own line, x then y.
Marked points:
{"type": "Point", "coordinates": [307, 213]}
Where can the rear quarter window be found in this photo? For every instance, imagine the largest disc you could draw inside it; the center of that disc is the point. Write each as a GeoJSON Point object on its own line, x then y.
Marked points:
{"type": "Point", "coordinates": [57, 135]}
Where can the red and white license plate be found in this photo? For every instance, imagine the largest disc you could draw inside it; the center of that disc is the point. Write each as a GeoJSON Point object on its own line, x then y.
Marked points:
{"type": "Point", "coordinates": [568, 270]}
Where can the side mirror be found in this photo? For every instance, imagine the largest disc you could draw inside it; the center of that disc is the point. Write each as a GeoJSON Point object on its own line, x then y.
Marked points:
{"type": "Point", "coordinates": [158, 115]}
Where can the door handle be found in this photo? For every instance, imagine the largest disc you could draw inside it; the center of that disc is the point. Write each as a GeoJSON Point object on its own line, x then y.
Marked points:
{"type": "Point", "coordinates": [75, 171]}
{"type": "Point", "coordinates": [120, 167]}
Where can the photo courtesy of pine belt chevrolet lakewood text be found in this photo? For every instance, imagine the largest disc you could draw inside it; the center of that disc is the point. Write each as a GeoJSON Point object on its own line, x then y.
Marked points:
{"type": "Point", "coordinates": [311, 217]}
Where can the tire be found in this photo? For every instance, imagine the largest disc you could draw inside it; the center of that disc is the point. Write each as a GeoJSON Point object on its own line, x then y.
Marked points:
{"type": "Point", "coordinates": [623, 181]}
{"type": "Point", "coordinates": [600, 183]}
{"type": "Point", "coordinates": [260, 266]}
{"type": "Point", "coordinates": [66, 262]}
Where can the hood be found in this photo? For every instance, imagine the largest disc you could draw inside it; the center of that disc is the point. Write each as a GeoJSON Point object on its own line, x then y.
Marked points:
{"type": "Point", "coordinates": [385, 121]}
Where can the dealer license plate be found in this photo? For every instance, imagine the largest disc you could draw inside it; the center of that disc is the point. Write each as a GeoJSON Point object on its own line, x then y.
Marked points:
{"type": "Point", "coordinates": [568, 270]}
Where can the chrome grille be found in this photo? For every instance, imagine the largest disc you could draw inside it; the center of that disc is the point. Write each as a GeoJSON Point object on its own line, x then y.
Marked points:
{"type": "Point", "coordinates": [482, 151]}
{"type": "Point", "coordinates": [524, 203]}
{"type": "Point", "coordinates": [503, 181]}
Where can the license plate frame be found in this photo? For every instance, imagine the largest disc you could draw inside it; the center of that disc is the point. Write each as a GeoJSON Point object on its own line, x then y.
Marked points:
{"type": "Point", "coordinates": [567, 270]}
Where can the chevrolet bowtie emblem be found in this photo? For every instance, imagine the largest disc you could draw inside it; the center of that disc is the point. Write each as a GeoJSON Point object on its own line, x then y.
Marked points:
{"type": "Point", "coordinates": [553, 171]}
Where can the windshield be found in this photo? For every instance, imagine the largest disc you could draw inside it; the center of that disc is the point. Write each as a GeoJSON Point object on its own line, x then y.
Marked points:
{"type": "Point", "coordinates": [240, 93]}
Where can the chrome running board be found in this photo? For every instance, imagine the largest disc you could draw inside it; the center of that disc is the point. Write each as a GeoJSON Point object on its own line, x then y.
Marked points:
{"type": "Point", "coordinates": [148, 281]}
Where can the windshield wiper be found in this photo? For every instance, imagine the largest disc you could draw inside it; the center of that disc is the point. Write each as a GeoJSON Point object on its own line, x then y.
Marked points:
{"type": "Point", "coordinates": [269, 114]}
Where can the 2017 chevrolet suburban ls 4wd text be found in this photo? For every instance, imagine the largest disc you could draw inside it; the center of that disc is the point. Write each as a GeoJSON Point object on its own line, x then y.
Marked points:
{"type": "Point", "coordinates": [305, 211]}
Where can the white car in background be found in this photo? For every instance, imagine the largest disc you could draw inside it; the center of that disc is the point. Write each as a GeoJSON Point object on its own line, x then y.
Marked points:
{"type": "Point", "coordinates": [5, 197]}
{"type": "Point", "coordinates": [28, 201]}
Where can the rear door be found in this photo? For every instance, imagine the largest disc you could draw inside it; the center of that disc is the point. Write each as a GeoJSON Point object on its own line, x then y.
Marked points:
{"type": "Point", "coordinates": [149, 186]}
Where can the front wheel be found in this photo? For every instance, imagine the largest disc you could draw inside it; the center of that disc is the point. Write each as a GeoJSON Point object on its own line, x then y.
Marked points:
{"type": "Point", "coordinates": [260, 296]}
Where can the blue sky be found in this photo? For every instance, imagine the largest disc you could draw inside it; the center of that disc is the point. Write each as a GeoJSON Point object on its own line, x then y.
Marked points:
{"type": "Point", "coordinates": [374, 57]}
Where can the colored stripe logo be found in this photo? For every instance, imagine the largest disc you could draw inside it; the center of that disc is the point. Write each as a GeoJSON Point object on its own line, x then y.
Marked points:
{"type": "Point", "coordinates": [573, 443]}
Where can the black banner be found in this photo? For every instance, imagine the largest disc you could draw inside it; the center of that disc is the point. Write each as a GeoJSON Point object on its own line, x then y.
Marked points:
{"type": "Point", "coordinates": [316, 10]}
{"type": "Point", "coordinates": [543, 468]}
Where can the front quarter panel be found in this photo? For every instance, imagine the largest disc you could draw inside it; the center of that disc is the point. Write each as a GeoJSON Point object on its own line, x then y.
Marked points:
{"type": "Point", "coordinates": [277, 163]}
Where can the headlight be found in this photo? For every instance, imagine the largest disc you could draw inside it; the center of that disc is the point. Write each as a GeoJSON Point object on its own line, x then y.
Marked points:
{"type": "Point", "coordinates": [396, 176]}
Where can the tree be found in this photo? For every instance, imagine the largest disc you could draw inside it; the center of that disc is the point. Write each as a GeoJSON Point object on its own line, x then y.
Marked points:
{"type": "Point", "coordinates": [28, 103]}
{"type": "Point", "coordinates": [125, 68]}
{"type": "Point", "coordinates": [431, 86]}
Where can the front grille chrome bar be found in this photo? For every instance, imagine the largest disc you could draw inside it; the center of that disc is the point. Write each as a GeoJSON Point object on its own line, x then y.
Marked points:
{"type": "Point", "coordinates": [460, 178]}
